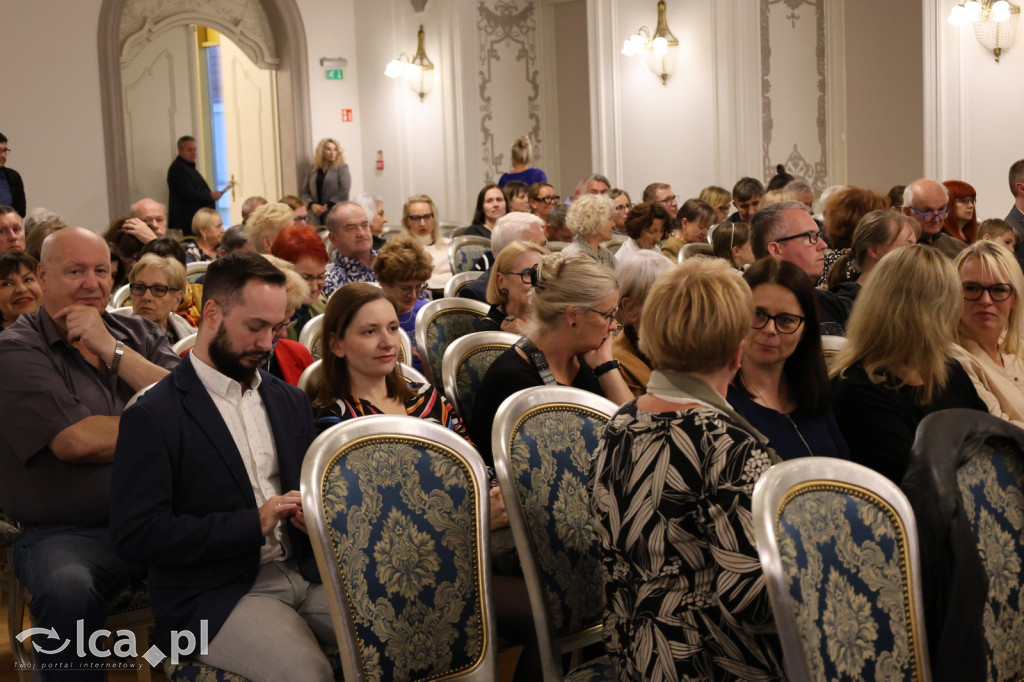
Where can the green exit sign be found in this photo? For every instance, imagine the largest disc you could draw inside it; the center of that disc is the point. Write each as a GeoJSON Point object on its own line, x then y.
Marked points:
{"type": "Point", "coordinates": [335, 74]}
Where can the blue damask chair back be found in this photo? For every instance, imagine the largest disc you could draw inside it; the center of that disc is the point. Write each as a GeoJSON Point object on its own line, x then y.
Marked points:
{"type": "Point", "coordinates": [440, 322]}
{"type": "Point", "coordinates": [991, 485]}
{"type": "Point", "coordinates": [543, 442]}
{"type": "Point", "coordinates": [463, 252]}
{"type": "Point", "coordinates": [466, 361]}
{"type": "Point", "coordinates": [839, 551]}
{"type": "Point", "coordinates": [397, 510]}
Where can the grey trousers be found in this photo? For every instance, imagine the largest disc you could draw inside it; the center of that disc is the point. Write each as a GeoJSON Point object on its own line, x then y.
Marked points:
{"type": "Point", "coordinates": [274, 631]}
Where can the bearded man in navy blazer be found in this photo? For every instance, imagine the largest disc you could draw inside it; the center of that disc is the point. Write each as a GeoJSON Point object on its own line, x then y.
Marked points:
{"type": "Point", "coordinates": [205, 490]}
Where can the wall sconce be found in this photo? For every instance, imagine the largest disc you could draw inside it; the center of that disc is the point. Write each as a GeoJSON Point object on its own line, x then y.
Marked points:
{"type": "Point", "coordinates": [995, 22]}
{"type": "Point", "coordinates": [661, 49]}
{"type": "Point", "coordinates": [418, 71]}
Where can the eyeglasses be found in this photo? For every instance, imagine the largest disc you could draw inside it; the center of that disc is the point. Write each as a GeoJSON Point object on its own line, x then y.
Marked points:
{"type": "Point", "coordinates": [812, 237]}
{"type": "Point", "coordinates": [785, 323]}
{"type": "Point", "coordinates": [967, 200]}
{"type": "Point", "coordinates": [421, 218]}
{"type": "Point", "coordinates": [999, 291]}
{"type": "Point", "coordinates": [934, 215]}
{"type": "Point", "coordinates": [5, 150]}
{"type": "Point", "coordinates": [608, 316]}
{"type": "Point", "coordinates": [623, 207]}
{"type": "Point", "coordinates": [301, 219]}
{"type": "Point", "coordinates": [667, 200]}
{"type": "Point", "coordinates": [414, 289]}
{"type": "Point", "coordinates": [322, 277]}
{"type": "Point", "coordinates": [139, 289]}
{"type": "Point", "coordinates": [549, 200]}
{"type": "Point", "coordinates": [526, 274]}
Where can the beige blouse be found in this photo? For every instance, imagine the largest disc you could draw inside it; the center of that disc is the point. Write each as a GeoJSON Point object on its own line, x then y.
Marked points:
{"type": "Point", "coordinates": [1002, 388]}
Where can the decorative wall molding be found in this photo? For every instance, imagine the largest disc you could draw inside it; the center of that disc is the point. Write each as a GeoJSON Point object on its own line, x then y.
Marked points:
{"type": "Point", "coordinates": [507, 31]}
{"type": "Point", "coordinates": [244, 21]}
{"type": "Point", "coordinates": [786, 64]}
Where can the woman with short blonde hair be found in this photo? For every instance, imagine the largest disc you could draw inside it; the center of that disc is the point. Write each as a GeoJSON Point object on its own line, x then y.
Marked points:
{"type": "Point", "coordinates": [590, 221]}
{"type": "Point", "coordinates": [719, 198]}
{"type": "Point", "coordinates": [265, 223]}
{"type": "Point", "coordinates": [510, 287]}
{"type": "Point", "coordinates": [673, 478]}
{"type": "Point", "coordinates": [208, 228]}
{"type": "Point", "coordinates": [989, 331]}
{"type": "Point", "coordinates": [899, 366]}
{"type": "Point", "coordinates": [158, 287]}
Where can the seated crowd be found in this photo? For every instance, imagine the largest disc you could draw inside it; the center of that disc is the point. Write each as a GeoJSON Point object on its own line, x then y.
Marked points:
{"type": "Point", "coordinates": [705, 328]}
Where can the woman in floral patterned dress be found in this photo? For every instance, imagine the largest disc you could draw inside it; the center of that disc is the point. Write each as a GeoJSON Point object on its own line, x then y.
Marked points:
{"type": "Point", "coordinates": [672, 486]}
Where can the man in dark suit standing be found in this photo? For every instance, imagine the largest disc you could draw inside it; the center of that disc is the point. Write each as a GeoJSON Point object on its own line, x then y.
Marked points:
{"type": "Point", "coordinates": [1016, 215]}
{"type": "Point", "coordinates": [188, 191]}
{"type": "Point", "coordinates": [12, 189]}
{"type": "Point", "coordinates": [205, 490]}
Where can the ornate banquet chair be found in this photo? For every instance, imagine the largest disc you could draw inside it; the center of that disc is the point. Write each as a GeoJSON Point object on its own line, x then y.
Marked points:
{"type": "Point", "coordinates": [466, 361]}
{"type": "Point", "coordinates": [839, 551]}
{"type": "Point", "coordinates": [965, 481]}
{"type": "Point", "coordinates": [397, 510]}
{"type": "Point", "coordinates": [310, 335]}
{"type": "Point", "coordinates": [543, 441]}
{"type": "Point", "coordinates": [310, 376]}
{"type": "Point", "coordinates": [453, 286]}
{"type": "Point", "coordinates": [440, 322]}
{"type": "Point", "coordinates": [463, 252]}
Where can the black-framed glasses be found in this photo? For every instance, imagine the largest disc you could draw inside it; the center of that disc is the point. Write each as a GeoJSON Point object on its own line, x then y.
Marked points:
{"type": "Point", "coordinates": [785, 323]}
{"type": "Point", "coordinates": [549, 200]}
{"type": "Point", "coordinates": [608, 316]}
{"type": "Point", "coordinates": [667, 200]}
{"type": "Point", "coordinates": [932, 215]}
{"type": "Point", "coordinates": [967, 200]}
{"type": "Point", "coordinates": [1000, 291]}
{"type": "Point", "coordinates": [421, 218]}
{"type": "Point", "coordinates": [812, 237]}
{"type": "Point", "coordinates": [140, 289]}
{"type": "Point", "coordinates": [526, 274]}
{"type": "Point", "coordinates": [6, 150]}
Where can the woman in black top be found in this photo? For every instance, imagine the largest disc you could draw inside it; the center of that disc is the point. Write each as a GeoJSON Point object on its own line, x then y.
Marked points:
{"type": "Point", "coordinates": [898, 366]}
{"type": "Point", "coordinates": [568, 342]}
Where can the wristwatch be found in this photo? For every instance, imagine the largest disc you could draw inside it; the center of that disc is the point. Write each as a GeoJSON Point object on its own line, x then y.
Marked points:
{"type": "Point", "coordinates": [115, 362]}
{"type": "Point", "coordinates": [606, 367]}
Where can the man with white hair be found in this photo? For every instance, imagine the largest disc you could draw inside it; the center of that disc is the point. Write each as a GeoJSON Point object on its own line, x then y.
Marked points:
{"type": "Point", "coordinates": [511, 227]}
{"type": "Point", "coordinates": [927, 202]}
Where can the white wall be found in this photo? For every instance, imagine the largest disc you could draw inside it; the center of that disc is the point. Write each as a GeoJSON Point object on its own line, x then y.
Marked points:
{"type": "Point", "coordinates": [975, 108]}
{"type": "Point", "coordinates": [51, 107]}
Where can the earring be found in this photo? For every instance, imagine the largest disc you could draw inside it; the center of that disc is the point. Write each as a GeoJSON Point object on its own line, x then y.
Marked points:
{"type": "Point", "coordinates": [503, 291]}
{"type": "Point", "coordinates": [572, 324]}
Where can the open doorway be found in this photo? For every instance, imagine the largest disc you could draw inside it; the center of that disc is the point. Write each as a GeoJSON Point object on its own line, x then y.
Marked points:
{"type": "Point", "coordinates": [192, 80]}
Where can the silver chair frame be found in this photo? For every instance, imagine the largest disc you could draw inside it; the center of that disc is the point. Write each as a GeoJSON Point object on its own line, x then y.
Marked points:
{"type": "Point", "coordinates": [506, 422]}
{"type": "Point", "coordinates": [310, 331]}
{"type": "Point", "coordinates": [307, 380]}
{"type": "Point", "coordinates": [321, 454]}
{"type": "Point", "coordinates": [459, 280]}
{"type": "Point", "coordinates": [184, 344]}
{"type": "Point", "coordinates": [455, 356]}
{"type": "Point", "coordinates": [773, 490]}
{"type": "Point", "coordinates": [425, 317]}
{"type": "Point", "coordinates": [465, 240]}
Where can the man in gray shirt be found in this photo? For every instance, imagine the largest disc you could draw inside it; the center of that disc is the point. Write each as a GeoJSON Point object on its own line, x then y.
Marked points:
{"type": "Point", "coordinates": [69, 369]}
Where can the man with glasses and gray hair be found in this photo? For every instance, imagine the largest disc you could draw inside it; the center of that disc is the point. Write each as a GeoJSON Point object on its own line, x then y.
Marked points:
{"type": "Point", "coordinates": [787, 232]}
{"type": "Point", "coordinates": [927, 202]}
{"type": "Point", "coordinates": [12, 189]}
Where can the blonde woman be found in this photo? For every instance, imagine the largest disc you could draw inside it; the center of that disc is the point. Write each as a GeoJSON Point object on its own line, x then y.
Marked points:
{"type": "Point", "coordinates": [158, 287]}
{"type": "Point", "coordinates": [522, 169]}
{"type": "Point", "coordinates": [208, 227]}
{"type": "Point", "coordinates": [289, 359]}
{"type": "Point", "coordinates": [509, 288]}
{"type": "Point", "coordinates": [568, 341]}
{"type": "Point", "coordinates": [989, 332]}
{"type": "Point", "coordinates": [265, 223]}
{"type": "Point", "coordinates": [719, 199]}
{"type": "Point", "coordinates": [328, 181]}
{"type": "Point", "coordinates": [420, 219]}
{"type": "Point", "coordinates": [673, 479]}
{"type": "Point", "coordinates": [590, 221]}
{"type": "Point", "coordinates": [899, 366]}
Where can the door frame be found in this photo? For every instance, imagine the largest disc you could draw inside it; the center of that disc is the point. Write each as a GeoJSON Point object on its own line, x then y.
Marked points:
{"type": "Point", "coordinates": [294, 121]}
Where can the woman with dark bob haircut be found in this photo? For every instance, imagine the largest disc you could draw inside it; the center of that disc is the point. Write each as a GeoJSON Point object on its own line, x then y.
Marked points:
{"type": "Point", "coordinates": [490, 205]}
{"type": "Point", "coordinates": [647, 225]}
{"type": "Point", "coordinates": [782, 387]}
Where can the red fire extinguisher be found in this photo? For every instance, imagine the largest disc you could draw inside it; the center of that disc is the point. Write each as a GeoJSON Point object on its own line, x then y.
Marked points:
{"type": "Point", "coordinates": [380, 159]}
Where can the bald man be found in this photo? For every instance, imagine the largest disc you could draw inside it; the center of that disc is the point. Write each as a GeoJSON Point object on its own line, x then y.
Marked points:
{"type": "Point", "coordinates": [927, 202]}
{"type": "Point", "coordinates": [148, 221]}
{"type": "Point", "coordinates": [68, 371]}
